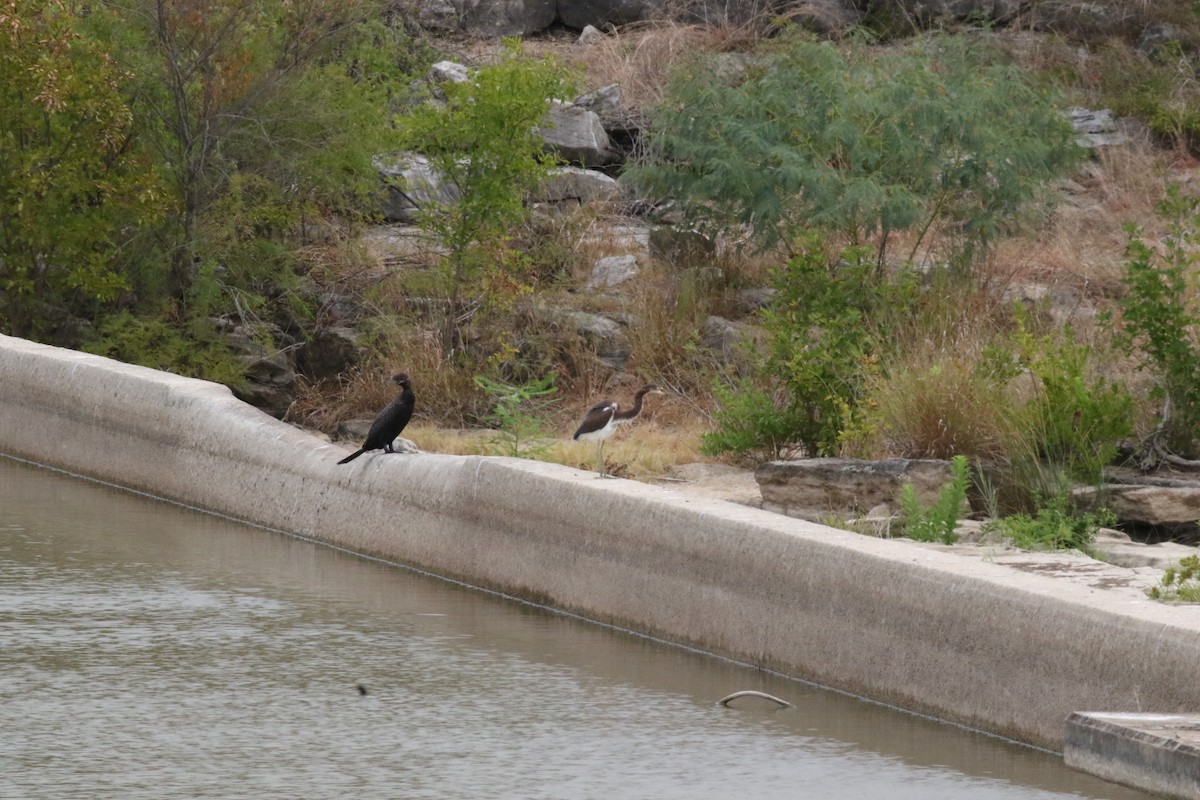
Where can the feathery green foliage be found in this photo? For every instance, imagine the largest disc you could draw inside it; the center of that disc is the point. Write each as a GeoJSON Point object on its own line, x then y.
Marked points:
{"type": "Point", "coordinates": [864, 143]}
{"type": "Point", "coordinates": [1069, 418]}
{"type": "Point", "coordinates": [1053, 526]}
{"type": "Point", "coordinates": [518, 412]}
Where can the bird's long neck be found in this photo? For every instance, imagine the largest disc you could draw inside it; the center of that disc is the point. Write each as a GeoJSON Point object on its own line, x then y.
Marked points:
{"type": "Point", "coordinates": [637, 406]}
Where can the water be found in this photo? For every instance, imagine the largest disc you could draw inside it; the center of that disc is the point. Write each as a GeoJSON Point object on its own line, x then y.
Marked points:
{"type": "Point", "coordinates": [150, 651]}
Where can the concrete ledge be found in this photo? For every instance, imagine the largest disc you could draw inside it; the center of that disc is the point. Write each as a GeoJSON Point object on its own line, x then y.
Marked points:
{"type": "Point", "coordinates": [1157, 753]}
{"type": "Point", "coordinates": [973, 642]}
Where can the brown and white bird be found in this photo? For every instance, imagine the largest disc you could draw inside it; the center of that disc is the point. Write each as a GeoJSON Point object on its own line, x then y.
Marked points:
{"type": "Point", "coordinates": [390, 422]}
{"type": "Point", "coordinates": [602, 420]}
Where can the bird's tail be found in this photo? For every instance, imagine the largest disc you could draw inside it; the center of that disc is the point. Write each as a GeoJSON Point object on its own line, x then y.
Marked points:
{"type": "Point", "coordinates": [352, 456]}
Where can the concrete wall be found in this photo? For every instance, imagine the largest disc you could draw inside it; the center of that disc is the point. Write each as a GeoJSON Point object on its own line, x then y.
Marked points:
{"type": "Point", "coordinates": [973, 642]}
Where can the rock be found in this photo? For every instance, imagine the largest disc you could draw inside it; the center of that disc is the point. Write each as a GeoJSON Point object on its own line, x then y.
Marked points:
{"type": "Point", "coordinates": [1160, 39]}
{"type": "Point", "coordinates": [576, 134]}
{"type": "Point", "coordinates": [579, 14]}
{"type": "Point", "coordinates": [1117, 548]}
{"type": "Point", "coordinates": [605, 99]}
{"type": "Point", "coordinates": [1096, 128]}
{"type": "Point", "coordinates": [673, 245]}
{"type": "Point", "coordinates": [722, 336]}
{"type": "Point", "coordinates": [612, 271]}
{"type": "Point", "coordinates": [496, 18]}
{"type": "Point", "coordinates": [1077, 19]}
{"type": "Point", "coordinates": [928, 12]}
{"type": "Point", "coordinates": [590, 35]}
{"type": "Point", "coordinates": [448, 72]}
{"type": "Point", "coordinates": [412, 184]}
{"type": "Point", "coordinates": [815, 487]}
{"type": "Point", "coordinates": [1166, 501]}
{"type": "Point", "coordinates": [328, 353]}
{"type": "Point", "coordinates": [1160, 506]}
{"type": "Point", "coordinates": [490, 18]}
{"type": "Point", "coordinates": [583, 186]}
{"type": "Point", "coordinates": [618, 239]}
{"type": "Point", "coordinates": [604, 335]}
{"type": "Point", "coordinates": [716, 481]}
{"type": "Point", "coordinates": [270, 382]}
{"type": "Point", "coordinates": [755, 298]}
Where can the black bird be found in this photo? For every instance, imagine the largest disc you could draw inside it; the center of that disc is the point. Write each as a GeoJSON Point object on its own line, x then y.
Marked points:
{"type": "Point", "coordinates": [390, 422]}
{"type": "Point", "coordinates": [602, 419]}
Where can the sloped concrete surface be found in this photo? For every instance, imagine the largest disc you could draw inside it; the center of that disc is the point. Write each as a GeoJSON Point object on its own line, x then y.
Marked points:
{"type": "Point", "coordinates": [1157, 753]}
{"type": "Point", "coordinates": [1004, 650]}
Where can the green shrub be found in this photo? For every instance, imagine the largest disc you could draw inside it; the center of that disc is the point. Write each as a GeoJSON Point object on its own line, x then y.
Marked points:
{"type": "Point", "coordinates": [937, 135]}
{"type": "Point", "coordinates": [76, 183]}
{"type": "Point", "coordinates": [1067, 417]}
{"type": "Point", "coordinates": [819, 343]}
{"type": "Point", "coordinates": [1160, 88]}
{"type": "Point", "coordinates": [938, 522]}
{"type": "Point", "coordinates": [1160, 319]}
{"type": "Point", "coordinates": [750, 423]}
{"type": "Point", "coordinates": [1054, 526]}
{"type": "Point", "coordinates": [1179, 584]}
{"type": "Point", "coordinates": [191, 348]}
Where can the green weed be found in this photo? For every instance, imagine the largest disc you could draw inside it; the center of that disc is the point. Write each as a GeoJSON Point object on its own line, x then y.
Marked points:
{"type": "Point", "coordinates": [1179, 584]}
{"type": "Point", "coordinates": [937, 523]}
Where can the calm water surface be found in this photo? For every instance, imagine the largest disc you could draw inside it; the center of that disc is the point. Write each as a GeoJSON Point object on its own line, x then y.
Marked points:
{"type": "Point", "coordinates": [150, 651]}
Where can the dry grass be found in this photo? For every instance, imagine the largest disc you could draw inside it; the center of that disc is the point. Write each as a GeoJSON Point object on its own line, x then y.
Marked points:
{"type": "Point", "coordinates": [1085, 237]}
{"type": "Point", "coordinates": [637, 57]}
{"type": "Point", "coordinates": [646, 448]}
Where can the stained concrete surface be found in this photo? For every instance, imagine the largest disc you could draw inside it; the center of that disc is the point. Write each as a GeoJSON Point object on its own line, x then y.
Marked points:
{"type": "Point", "coordinates": [1157, 753]}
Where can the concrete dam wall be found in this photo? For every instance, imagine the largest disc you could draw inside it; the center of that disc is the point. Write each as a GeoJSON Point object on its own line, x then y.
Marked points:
{"type": "Point", "coordinates": [973, 642]}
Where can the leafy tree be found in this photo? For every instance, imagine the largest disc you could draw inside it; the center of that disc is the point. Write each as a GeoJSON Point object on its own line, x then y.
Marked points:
{"type": "Point", "coordinates": [934, 136]}
{"type": "Point", "coordinates": [286, 91]}
{"type": "Point", "coordinates": [483, 140]}
{"type": "Point", "coordinates": [74, 185]}
{"type": "Point", "coordinates": [1161, 320]}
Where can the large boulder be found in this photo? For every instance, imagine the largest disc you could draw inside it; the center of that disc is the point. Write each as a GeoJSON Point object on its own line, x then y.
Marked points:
{"type": "Point", "coordinates": [612, 271]}
{"type": "Point", "coordinates": [329, 352]}
{"type": "Point", "coordinates": [814, 488]}
{"type": "Point", "coordinates": [605, 336]}
{"type": "Point", "coordinates": [490, 18]}
{"type": "Point", "coordinates": [412, 184]}
{"type": "Point", "coordinates": [1167, 502]}
{"type": "Point", "coordinates": [576, 134]}
{"type": "Point", "coordinates": [578, 14]}
{"type": "Point", "coordinates": [577, 186]}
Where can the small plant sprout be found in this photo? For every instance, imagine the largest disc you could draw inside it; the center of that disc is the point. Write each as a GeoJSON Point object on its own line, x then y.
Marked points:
{"type": "Point", "coordinates": [517, 415]}
{"type": "Point", "coordinates": [1179, 584]}
{"type": "Point", "coordinates": [938, 522]}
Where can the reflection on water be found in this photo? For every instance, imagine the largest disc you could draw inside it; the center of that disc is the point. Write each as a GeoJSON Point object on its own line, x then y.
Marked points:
{"type": "Point", "coordinates": [149, 651]}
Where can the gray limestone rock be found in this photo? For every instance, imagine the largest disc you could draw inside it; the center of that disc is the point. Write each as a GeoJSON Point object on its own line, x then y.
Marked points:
{"type": "Point", "coordinates": [814, 487]}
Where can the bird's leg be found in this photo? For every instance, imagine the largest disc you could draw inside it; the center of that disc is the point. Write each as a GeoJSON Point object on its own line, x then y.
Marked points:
{"type": "Point", "coordinates": [600, 459]}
